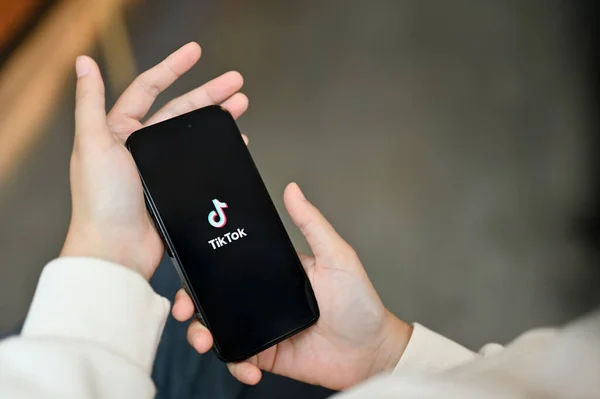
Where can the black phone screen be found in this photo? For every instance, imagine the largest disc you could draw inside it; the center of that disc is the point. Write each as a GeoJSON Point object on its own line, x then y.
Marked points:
{"type": "Point", "coordinates": [224, 232]}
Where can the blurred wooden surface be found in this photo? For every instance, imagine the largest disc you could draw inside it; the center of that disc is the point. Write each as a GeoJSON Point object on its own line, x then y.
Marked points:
{"type": "Point", "coordinates": [33, 78]}
{"type": "Point", "coordinates": [14, 15]}
{"type": "Point", "coordinates": [117, 52]}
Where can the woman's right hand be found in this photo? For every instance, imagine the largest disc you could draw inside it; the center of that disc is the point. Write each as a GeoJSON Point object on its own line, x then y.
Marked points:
{"type": "Point", "coordinates": [355, 337]}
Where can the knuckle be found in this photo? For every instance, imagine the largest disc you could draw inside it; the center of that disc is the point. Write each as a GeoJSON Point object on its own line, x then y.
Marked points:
{"type": "Point", "coordinates": [349, 251]}
{"type": "Point", "coordinates": [166, 65]}
{"type": "Point", "coordinates": [345, 253]}
{"type": "Point", "coordinates": [151, 88]}
{"type": "Point", "coordinates": [189, 104]}
{"type": "Point", "coordinates": [118, 128]}
{"type": "Point", "coordinates": [180, 106]}
{"type": "Point", "coordinates": [307, 227]}
{"type": "Point", "coordinates": [83, 93]}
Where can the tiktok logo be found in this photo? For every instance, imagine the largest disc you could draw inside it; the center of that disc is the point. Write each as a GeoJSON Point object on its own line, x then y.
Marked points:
{"type": "Point", "coordinates": [217, 217]}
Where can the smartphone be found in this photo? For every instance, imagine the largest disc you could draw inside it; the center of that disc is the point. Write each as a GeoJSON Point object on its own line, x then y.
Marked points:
{"type": "Point", "coordinates": [222, 232]}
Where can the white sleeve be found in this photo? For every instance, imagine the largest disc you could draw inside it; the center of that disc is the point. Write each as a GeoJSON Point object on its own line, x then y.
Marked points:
{"type": "Point", "coordinates": [91, 332]}
{"type": "Point", "coordinates": [428, 351]}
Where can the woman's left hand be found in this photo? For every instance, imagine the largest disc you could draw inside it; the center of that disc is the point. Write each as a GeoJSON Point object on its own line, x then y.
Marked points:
{"type": "Point", "coordinates": [109, 218]}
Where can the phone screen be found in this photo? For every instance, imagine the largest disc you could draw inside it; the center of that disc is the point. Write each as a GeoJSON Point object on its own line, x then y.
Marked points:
{"type": "Point", "coordinates": [223, 231]}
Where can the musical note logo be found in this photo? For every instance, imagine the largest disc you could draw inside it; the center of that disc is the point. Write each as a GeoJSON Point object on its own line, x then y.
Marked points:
{"type": "Point", "coordinates": [217, 217]}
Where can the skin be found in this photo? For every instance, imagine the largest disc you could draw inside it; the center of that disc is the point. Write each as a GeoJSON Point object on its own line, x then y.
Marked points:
{"type": "Point", "coordinates": [356, 336]}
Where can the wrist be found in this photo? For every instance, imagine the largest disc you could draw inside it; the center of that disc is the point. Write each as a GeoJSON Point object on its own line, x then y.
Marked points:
{"type": "Point", "coordinates": [397, 333]}
{"type": "Point", "coordinates": [92, 244]}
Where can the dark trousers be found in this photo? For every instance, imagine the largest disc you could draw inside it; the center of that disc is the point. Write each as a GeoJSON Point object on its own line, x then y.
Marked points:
{"type": "Point", "coordinates": [180, 372]}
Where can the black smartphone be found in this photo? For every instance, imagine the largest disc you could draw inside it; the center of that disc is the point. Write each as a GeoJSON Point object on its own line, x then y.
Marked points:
{"type": "Point", "coordinates": [222, 232]}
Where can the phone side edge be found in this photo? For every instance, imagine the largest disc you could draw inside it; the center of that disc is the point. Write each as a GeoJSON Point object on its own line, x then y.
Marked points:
{"type": "Point", "coordinates": [172, 253]}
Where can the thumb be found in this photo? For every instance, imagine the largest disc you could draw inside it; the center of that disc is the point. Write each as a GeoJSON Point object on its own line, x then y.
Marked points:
{"type": "Point", "coordinates": [90, 112]}
{"type": "Point", "coordinates": [319, 233]}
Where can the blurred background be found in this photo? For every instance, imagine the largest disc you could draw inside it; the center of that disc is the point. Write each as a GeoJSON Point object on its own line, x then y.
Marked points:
{"type": "Point", "coordinates": [451, 143]}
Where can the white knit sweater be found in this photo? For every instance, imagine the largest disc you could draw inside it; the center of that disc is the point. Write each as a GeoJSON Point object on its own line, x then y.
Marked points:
{"type": "Point", "coordinates": [93, 329]}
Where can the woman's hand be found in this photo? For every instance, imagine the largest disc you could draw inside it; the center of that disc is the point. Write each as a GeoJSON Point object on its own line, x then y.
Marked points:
{"type": "Point", "coordinates": [355, 337]}
{"type": "Point", "coordinates": [109, 218]}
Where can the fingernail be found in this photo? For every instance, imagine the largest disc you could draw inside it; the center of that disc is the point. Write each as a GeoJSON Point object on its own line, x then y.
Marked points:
{"type": "Point", "coordinates": [300, 193]}
{"type": "Point", "coordinates": [82, 66]}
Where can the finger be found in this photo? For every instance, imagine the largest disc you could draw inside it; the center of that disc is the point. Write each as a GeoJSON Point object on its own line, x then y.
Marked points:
{"type": "Point", "coordinates": [183, 308]}
{"type": "Point", "coordinates": [213, 92]}
{"type": "Point", "coordinates": [306, 260]}
{"type": "Point", "coordinates": [245, 372]}
{"type": "Point", "coordinates": [236, 105]}
{"type": "Point", "coordinates": [90, 114]}
{"type": "Point", "coordinates": [245, 138]}
{"type": "Point", "coordinates": [137, 99]}
{"type": "Point", "coordinates": [319, 233]}
{"type": "Point", "coordinates": [199, 337]}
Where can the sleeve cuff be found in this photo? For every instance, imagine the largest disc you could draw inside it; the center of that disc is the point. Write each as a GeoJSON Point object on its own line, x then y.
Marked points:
{"type": "Point", "coordinates": [99, 302]}
{"type": "Point", "coordinates": [428, 351]}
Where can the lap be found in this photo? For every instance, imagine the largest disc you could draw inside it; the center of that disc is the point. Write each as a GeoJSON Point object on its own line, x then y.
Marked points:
{"type": "Point", "coordinates": [180, 372]}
